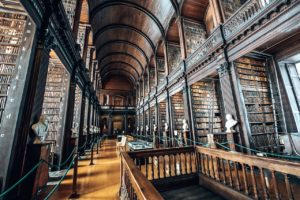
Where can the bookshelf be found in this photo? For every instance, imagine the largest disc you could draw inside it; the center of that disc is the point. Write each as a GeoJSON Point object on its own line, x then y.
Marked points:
{"type": "Point", "coordinates": [152, 78]}
{"type": "Point", "coordinates": [206, 109]}
{"type": "Point", "coordinates": [160, 69]}
{"type": "Point", "coordinates": [162, 116]}
{"type": "Point", "coordinates": [258, 101]}
{"type": "Point", "coordinates": [146, 120]}
{"type": "Point", "coordinates": [195, 34]}
{"type": "Point", "coordinates": [153, 116]}
{"type": "Point", "coordinates": [70, 8]}
{"type": "Point", "coordinates": [177, 111]}
{"type": "Point", "coordinates": [81, 38]}
{"type": "Point", "coordinates": [11, 35]}
{"type": "Point", "coordinates": [77, 110]}
{"type": "Point", "coordinates": [86, 112]}
{"type": "Point", "coordinates": [55, 100]}
{"type": "Point", "coordinates": [174, 56]}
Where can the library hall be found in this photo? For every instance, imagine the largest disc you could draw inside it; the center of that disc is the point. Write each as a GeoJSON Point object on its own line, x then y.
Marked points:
{"type": "Point", "coordinates": [150, 99]}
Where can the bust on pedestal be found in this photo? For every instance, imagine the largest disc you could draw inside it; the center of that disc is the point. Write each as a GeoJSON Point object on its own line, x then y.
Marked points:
{"type": "Point", "coordinates": [40, 129]}
{"type": "Point", "coordinates": [185, 130]}
{"type": "Point", "coordinates": [166, 134]}
{"type": "Point", "coordinates": [230, 123]}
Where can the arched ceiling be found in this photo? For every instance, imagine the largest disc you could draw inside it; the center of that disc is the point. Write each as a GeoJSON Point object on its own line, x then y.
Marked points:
{"type": "Point", "coordinates": [126, 33]}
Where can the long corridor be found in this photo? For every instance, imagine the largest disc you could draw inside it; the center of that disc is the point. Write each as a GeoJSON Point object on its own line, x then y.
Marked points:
{"type": "Point", "coordinates": [98, 181]}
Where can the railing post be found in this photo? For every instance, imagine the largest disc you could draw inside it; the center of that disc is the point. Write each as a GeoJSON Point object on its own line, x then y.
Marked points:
{"type": "Point", "coordinates": [74, 194]}
{"type": "Point", "coordinates": [92, 154]}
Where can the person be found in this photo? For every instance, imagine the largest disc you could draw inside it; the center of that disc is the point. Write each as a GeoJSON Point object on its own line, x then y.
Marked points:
{"type": "Point", "coordinates": [40, 129]}
{"type": "Point", "coordinates": [230, 123]}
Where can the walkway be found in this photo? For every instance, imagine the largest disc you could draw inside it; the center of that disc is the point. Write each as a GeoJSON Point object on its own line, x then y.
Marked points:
{"type": "Point", "coordinates": [98, 181]}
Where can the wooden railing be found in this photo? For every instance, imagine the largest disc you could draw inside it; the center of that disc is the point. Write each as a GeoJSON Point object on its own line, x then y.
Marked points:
{"type": "Point", "coordinates": [249, 13]}
{"type": "Point", "coordinates": [165, 163]}
{"type": "Point", "coordinates": [249, 176]}
{"type": "Point", "coordinates": [134, 184]}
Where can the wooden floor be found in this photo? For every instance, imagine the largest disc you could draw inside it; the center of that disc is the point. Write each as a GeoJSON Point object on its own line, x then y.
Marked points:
{"type": "Point", "coordinates": [98, 181]}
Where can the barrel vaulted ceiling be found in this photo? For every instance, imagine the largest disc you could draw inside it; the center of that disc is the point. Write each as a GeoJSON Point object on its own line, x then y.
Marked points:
{"type": "Point", "coordinates": [126, 33]}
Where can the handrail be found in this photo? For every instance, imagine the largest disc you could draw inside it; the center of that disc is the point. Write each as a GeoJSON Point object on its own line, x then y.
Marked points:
{"type": "Point", "coordinates": [247, 13]}
{"type": "Point", "coordinates": [249, 175]}
{"type": "Point", "coordinates": [160, 152]}
{"type": "Point", "coordinates": [134, 180]}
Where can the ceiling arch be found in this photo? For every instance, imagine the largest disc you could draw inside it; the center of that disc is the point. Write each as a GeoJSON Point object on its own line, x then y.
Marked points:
{"type": "Point", "coordinates": [134, 5]}
{"type": "Point", "coordinates": [111, 42]}
{"type": "Point", "coordinates": [126, 32]}
{"type": "Point", "coordinates": [119, 63]}
{"type": "Point", "coordinates": [115, 56]}
{"type": "Point", "coordinates": [100, 31]}
{"type": "Point", "coordinates": [124, 48]}
{"type": "Point", "coordinates": [118, 72]}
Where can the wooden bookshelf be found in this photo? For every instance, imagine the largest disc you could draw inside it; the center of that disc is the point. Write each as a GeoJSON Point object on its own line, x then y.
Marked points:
{"type": "Point", "coordinates": [206, 109]}
{"type": "Point", "coordinates": [55, 100]}
{"type": "Point", "coordinates": [12, 27]}
{"type": "Point", "coordinates": [162, 115]}
{"type": "Point", "coordinates": [77, 109]}
{"type": "Point", "coordinates": [177, 111]}
{"type": "Point", "coordinates": [70, 8]}
{"type": "Point", "coordinates": [257, 99]}
{"type": "Point", "coordinates": [81, 38]}
{"type": "Point", "coordinates": [160, 69]}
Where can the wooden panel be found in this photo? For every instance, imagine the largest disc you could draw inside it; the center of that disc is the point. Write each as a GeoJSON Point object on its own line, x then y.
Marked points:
{"type": "Point", "coordinates": [194, 9]}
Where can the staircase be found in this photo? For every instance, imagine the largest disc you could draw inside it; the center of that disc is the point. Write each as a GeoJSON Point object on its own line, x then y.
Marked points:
{"type": "Point", "coordinates": [193, 192]}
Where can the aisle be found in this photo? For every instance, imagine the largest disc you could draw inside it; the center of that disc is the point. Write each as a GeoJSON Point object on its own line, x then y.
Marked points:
{"type": "Point", "coordinates": [98, 181]}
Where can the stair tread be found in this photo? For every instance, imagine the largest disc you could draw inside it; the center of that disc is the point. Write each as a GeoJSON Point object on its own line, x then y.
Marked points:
{"type": "Point", "coordinates": [190, 193]}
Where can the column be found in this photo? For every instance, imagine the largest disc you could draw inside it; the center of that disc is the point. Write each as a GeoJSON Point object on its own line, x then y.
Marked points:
{"type": "Point", "coordinates": [77, 17]}
{"type": "Point", "coordinates": [67, 147]}
{"type": "Point", "coordinates": [81, 138]}
{"type": "Point", "coordinates": [229, 101]}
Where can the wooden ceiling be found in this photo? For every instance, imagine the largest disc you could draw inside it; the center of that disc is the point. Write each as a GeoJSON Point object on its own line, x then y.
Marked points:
{"type": "Point", "coordinates": [126, 32]}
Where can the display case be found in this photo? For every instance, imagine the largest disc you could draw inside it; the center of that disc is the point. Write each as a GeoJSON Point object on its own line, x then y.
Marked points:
{"type": "Point", "coordinates": [206, 109]}
{"type": "Point", "coordinates": [258, 99]}
{"type": "Point", "coordinates": [13, 25]}
{"type": "Point", "coordinates": [177, 111]}
{"type": "Point", "coordinates": [55, 101]}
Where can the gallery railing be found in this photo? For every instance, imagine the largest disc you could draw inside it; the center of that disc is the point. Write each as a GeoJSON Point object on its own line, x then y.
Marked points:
{"type": "Point", "coordinates": [247, 15]}
{"type": "Point", "coordinates": [252, 176]}
{"type": "Point", "coordinates": [165, 163]}
{"type": "Point", "coordinates": [134, 185]}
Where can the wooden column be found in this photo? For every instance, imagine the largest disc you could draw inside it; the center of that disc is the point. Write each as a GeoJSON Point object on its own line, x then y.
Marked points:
{"type": "Point", "coordinates": [156, 71]}
{"type": "Point", "coordinates": [86, 43]}
{"type": "Point", "coordinates": [66, 148]}
{"type": "Point", "coordinates": [81, 139]}
{"type": "Point", "coordinates": [23, 110]}
{"type": "Point", "coordinates": [167, 68]}
{"type": "Point", "coordinates": [187, 109]}
{"type": "Point", "coordinates": [182, 39]}
{"type": "Point", "coordinates": [228, 95]}
{"type": "Point", "coordinates": [77, 18]}
{"type": "Point", "coordinates": [169, 117]}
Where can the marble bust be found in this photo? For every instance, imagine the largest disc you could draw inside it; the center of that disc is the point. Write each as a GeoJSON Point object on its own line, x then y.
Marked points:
{"type": "Point", "coordinates": [40, 129]}
{"type": "Point", "coordinates": [230, 123]}
{"type": "Point", "coordinates": [185, 126]}
{"type": "Point", "coordinates": [154, 127]}
{"type": "Point", "coordinates": [166, 127]}
{"type": "Point", "coordinates": [147, 128]}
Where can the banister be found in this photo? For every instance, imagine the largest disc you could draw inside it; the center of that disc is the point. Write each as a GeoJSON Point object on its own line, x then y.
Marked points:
{"type": "Point", "coordinates": [142, 187]}
{"type": "Point", "coordinates": [283, 166]}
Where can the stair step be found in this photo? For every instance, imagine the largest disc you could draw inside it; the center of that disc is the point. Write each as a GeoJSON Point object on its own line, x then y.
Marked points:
{"type": "Point", "coordinates": [190, 193]}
